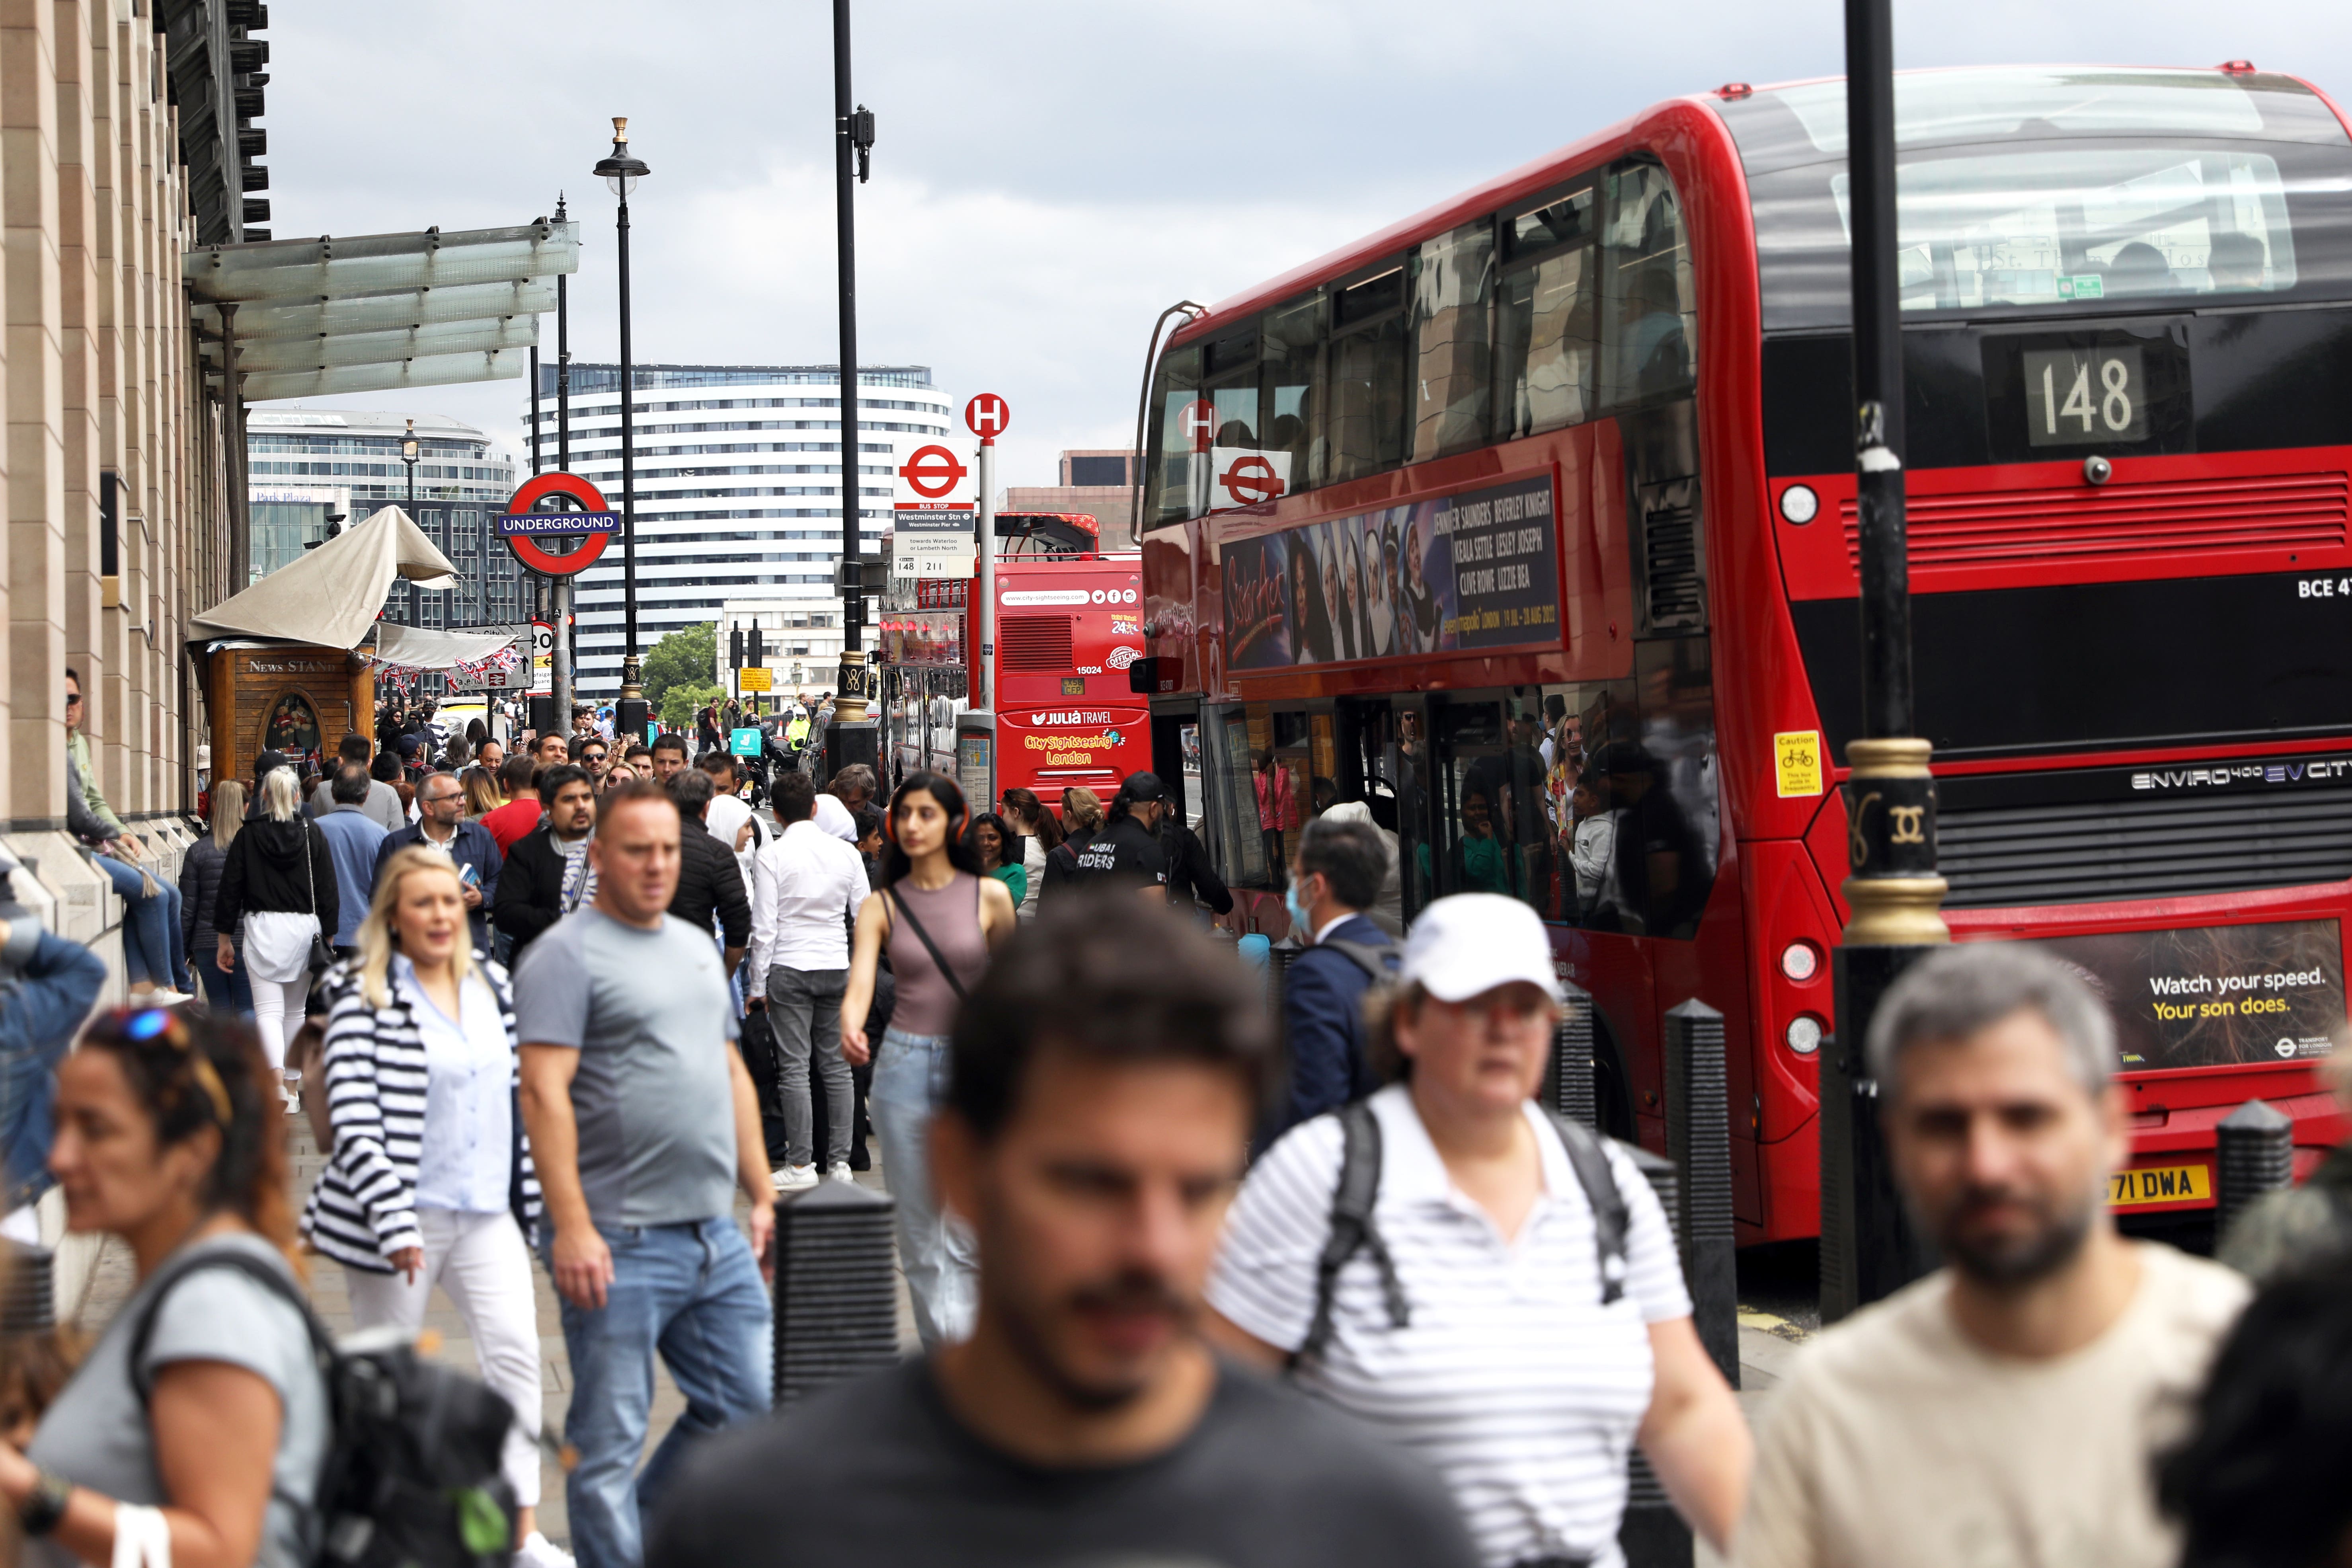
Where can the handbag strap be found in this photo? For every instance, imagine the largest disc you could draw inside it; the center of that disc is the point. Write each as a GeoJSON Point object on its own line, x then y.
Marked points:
{"type": "Point", "coordinates": [928, 945]}
{"type": "Point", "coordinates": [310, 877]}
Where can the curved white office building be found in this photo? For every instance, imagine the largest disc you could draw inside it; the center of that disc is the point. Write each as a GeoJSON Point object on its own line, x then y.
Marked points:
{"type": "Point", "coordinates": [739, 477]}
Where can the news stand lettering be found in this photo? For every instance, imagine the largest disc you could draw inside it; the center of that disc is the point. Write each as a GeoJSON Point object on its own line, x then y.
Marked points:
{"type": "Point", "coordinates": [2216, 995]}
{"type": "Point", "coordinates": [1472, 573]}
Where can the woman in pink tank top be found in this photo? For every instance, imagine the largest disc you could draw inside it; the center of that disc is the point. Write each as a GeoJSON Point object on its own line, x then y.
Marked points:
{"type": "Point", "coordinates": [937, 917]}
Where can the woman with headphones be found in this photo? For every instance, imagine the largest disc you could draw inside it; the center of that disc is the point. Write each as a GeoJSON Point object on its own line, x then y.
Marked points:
{"type": "Point", "coordinates": [938, 917]}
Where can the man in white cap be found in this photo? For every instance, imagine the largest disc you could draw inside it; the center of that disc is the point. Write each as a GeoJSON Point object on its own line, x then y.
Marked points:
{"type": "Point", "coordinates": [1494, 1288]}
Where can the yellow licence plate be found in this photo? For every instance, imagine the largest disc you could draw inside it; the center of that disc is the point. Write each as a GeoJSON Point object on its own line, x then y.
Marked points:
{"type": "Point", "coordinates": [2161, 1184]}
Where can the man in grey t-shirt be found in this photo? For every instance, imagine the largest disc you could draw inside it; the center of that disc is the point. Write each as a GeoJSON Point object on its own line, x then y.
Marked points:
{"type": "Point", "coordinates": [642, 1118]}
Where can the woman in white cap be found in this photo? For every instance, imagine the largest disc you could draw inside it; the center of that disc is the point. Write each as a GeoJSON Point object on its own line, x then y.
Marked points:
{"type": "Point", "coordinates": [1506, 1299]}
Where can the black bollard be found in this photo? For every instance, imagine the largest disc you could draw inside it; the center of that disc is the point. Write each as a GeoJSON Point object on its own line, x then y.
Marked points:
{"type": "Point", "coordinates": [2253, 1154]}
{"type": "Point", "coordinates": [1651, 1534]}
{"type": "Point", "coordinates": [1571, 1082]}
{"type": "Point", "coordinates": [836, 1287]}
{"type": "Point", "coordinates": [1698, 1137]}
{"type": "Point", "coordinates": [28, 1288]}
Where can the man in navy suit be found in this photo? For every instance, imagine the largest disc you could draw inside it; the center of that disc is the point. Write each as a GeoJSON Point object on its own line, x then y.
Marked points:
{"type": "Point", "coordinates": [1334, 878]}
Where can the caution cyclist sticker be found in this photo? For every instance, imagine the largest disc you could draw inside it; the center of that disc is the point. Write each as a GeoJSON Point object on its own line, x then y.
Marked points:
{"type": "Point", "coordinates": [1797, 757]}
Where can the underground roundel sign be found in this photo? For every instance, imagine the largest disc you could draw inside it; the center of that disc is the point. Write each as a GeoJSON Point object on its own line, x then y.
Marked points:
{"type": "Point", "coordinates": [528, 532]}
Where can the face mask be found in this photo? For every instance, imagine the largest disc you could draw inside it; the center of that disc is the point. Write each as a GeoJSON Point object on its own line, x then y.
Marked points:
{"type": "Point", "coordinates": [1298, 913]}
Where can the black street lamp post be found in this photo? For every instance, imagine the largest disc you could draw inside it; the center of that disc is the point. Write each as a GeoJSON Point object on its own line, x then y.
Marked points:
{"type": "Point", "coordinates": [1869, 1247]}
{"type": "Point", "coordinates": [621, 172]}
{"type": "Point", "coordinates": [852, 147]}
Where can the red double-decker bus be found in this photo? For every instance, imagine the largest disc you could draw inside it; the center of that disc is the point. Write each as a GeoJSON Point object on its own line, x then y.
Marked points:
{"type": "Point", "coordinates": [1529, 520]}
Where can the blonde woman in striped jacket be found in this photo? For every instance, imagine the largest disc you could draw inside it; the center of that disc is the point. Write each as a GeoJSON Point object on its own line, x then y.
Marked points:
{"type": "Point", "coordinates": [430, 1181]}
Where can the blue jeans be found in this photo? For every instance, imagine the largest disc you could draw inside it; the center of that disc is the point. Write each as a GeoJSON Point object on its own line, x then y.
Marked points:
{"type": "Point", "coordinates": [151, 926]}
{"type": "Point", "coordinates": [693, 1294]}
{"type": "Point", "coordinates": [226, 991]}
{"type": "Point", "coordinates": [937, 1254]}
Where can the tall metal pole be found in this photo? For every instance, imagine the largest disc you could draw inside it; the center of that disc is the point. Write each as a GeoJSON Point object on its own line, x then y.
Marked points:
{"type": "Point", "coordinates": [240, 492]}
{"type": "Point", "coordinates": [621, 171]}
{"type": "Point", "coordinates": [559, 673]}
{"type": "Point", "coordinates": [1868, 1245]}
{"type": "Point", "coordinates": [631, 675]}
{"type": "Point", "coordinates": [849, 701]}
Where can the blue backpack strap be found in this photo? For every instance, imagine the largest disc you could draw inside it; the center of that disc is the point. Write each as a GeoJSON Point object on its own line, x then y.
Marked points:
{"type": "Point", "coordinates": [1588, 1158]}
{"type": "Point", "coordinates": [1352, 1231]}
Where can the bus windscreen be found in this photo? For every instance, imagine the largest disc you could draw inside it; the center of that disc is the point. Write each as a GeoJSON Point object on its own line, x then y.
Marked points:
{"type": "Point", "coordinates": [2059, 193]}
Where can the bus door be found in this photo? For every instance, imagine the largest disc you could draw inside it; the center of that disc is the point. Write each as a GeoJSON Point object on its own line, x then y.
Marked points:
{"type": "Point", "coordinates": [1176, 758]}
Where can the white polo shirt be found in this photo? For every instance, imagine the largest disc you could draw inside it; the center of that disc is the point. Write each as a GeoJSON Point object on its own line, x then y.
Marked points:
{"type": "Point", "coordinates": [1512, 1380]}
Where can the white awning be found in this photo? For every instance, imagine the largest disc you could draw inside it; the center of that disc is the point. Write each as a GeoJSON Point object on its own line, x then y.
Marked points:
{"type": "Point", "coordinates": [418, 647]}
{"type": "Point", "coordinates": [331, 596]}
{"type": "Point", "coordinates": [320, 316]}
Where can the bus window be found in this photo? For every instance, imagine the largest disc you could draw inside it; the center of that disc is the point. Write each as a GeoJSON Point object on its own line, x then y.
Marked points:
{"type": "Point", "coordinates": [1647, 338]}
{"type": "Point", "coordinates": [1407, 759]}
{"type": "Point", "coordinates": [1547, 320]}
{"type": "Point", "coordinates": [1368, 347]}
{"type": "Point", "coordinates": [1229, 379]}
{"type": "Point", "coordinates": [1178, 479]}
{"type": "Point", "coordinates": [1229, 794]}
{"type": "Point", "coordinates": [1452, 276]}
{"type": "Point", "coordinates": [1653, 773]}
{"type": "Point", "coordinates": [1291, 388]}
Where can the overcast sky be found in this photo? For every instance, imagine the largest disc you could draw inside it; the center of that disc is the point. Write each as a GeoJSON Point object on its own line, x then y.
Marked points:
{"type": "Point", "coordinates": [1049, 174]}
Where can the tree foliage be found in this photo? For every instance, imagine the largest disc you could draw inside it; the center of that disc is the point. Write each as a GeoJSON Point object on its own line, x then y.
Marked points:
{"type": "Point", "coordinates": [683, 699]}
{"type": "Point", "coordinates": [688, 656]}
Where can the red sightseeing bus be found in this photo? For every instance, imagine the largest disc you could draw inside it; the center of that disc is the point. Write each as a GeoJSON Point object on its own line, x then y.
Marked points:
{"type": "Point", "coordinates": [1068, 630]}
{"type": "Point", "coordinates": [1529, 520]}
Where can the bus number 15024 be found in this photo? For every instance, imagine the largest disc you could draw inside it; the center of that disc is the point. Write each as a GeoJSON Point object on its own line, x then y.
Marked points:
{"type": "Point", "coordinates": [2076, 398]}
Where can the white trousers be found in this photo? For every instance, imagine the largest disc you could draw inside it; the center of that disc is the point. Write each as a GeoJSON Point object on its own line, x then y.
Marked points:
{"type": "Point", "coordinates": [278, 1015]}
{"type": "Point", "coordinates": [482, 1261]}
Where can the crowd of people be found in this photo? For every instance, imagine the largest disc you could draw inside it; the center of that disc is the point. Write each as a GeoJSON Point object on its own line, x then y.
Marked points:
{"type": "Point", "coordinates": [1193, 1281]}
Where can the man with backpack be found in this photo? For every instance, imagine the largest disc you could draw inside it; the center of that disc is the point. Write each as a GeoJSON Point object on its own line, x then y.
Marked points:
{"type": "Point", "coordinates": [1334, 878]}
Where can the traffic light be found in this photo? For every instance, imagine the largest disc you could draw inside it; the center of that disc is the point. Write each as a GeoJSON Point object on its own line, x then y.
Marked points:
{"type": "Point", "coordinates": [734, 648]}
{"type": "Point", "coordinates": [759, 649]}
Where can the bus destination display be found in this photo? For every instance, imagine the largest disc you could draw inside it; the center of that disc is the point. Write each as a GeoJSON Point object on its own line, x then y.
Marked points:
{"type": "Point", "coordinates": [1473, 572]}
{"type": "Point", "coordinates": [2216, 995]}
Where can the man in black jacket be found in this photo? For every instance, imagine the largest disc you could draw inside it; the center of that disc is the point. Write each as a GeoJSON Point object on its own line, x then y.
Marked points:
{"type": "Point", "coordinates": [546, 875]}
{"type": "Point", "coordinates": [709, 881]}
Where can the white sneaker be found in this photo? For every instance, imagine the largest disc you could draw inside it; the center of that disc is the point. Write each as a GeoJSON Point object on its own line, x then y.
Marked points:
{"type": "Point", "coordinates": [840, 1171]}
{"type": "Point", "coordinates": [161, 997]}
{"type": "Point", "coordinates": [538, 1552]}
{"type": "Point", "coordinates": [794, 1179]}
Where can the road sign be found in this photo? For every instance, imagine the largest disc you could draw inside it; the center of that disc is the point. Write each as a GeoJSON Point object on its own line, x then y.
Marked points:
{"type": "Point", "coordinates": [987, 415]}
{"type": "Point", "coordinates": [543, 659]}
{"type": "Point", "coordinates": [755, 681]}
{"type": "Point", "coordinates": [933, 471]}
{"type": "Point", "coordinates": [1200, 423]}
{"type": "Point", "coordinates": [932, 539]}
{"type": "Point", "coordinates": [1249, 477]}
{"type": "Point", "coordinates": [588, 521]}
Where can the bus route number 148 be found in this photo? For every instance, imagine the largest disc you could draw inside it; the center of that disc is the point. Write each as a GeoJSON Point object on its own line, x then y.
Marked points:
{"type": "Point", "coordinates": [2084, 396]}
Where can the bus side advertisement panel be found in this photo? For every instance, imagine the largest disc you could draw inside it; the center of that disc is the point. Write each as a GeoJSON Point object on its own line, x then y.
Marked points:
{"type": "Point", "coordinates": [1474, 572]}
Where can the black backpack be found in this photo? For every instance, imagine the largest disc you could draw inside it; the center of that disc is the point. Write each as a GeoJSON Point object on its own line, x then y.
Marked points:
{"type": "Point", "coordinates": [1358, 1188]}
{"type": "Point", "coordinates": [412, 1476]}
